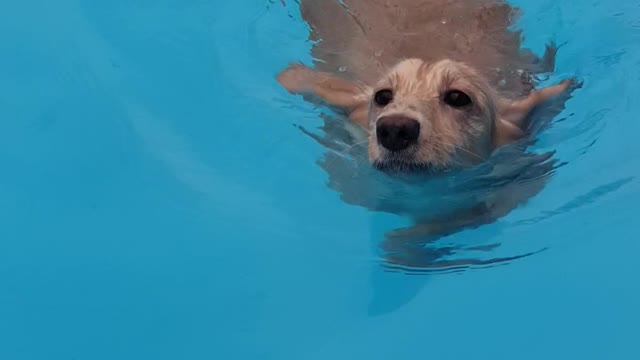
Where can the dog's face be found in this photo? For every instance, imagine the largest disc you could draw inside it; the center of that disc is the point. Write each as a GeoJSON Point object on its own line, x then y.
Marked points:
{"type": "Point", "coordinates": [425, 116]}
{"type": "Point", "coordinates": [430, 116]}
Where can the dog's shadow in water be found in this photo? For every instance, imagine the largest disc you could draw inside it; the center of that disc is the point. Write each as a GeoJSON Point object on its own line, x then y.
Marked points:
{"type": "Point", "coordinates": [439, 207]}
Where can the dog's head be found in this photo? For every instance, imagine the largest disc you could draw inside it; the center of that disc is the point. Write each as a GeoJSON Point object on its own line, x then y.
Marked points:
{"type": "Point", "coordinates": [431, 116]}
{"type": "Point", "coordinates": [424, 116]}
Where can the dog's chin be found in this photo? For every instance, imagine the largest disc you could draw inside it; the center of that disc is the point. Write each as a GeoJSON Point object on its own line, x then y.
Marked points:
{"type": "Point", "coordinates": [398, 165]}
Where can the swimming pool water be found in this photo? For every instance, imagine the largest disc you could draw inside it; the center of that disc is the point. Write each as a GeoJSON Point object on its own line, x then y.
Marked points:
{"type": "Point", "coordinates": [157, 201]}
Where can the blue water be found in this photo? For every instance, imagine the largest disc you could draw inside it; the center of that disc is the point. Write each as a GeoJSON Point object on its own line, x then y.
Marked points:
{"type": "Point", "coordinates": [157, 201]}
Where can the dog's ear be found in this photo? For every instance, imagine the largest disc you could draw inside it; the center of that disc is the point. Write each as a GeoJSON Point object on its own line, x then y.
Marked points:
{"type": "Point", "coordinates": [512, 114]}
{"type": "Point", "coordinates": [350, 96]}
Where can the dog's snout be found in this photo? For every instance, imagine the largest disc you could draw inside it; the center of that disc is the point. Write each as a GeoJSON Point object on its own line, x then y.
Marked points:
{"type": "Point", "coordinates": [397, 133]}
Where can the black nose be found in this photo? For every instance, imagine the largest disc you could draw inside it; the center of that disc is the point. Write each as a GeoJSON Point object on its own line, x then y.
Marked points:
{"type": "Point", "coordinates": [396, 133]}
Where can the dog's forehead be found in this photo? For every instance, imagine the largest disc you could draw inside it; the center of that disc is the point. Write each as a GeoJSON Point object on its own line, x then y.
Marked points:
{"type": "Point", "coordinates": [419, 73]}
{"type": "Point", "coordinates": [406, 71]}
{"type": "Point", "coordinates": [409, 66]}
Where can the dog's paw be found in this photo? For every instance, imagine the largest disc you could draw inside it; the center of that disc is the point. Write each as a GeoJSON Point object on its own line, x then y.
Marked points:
{"type": "Point", "coordinates": [296, 78]}
{"type": "Point", "coordinates": [562, 89]}
{"type": "Point", "coordinates": [566, 87]}
{"type": "Point", "coordinates": [573, 84]}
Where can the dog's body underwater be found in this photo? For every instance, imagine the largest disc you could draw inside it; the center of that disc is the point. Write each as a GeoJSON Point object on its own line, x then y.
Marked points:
{"type": "Point", "coordinates": [436, 85]}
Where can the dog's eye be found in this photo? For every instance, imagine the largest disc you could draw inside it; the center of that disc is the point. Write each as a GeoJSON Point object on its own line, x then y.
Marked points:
{"type": "Point", "coordinates": [383, 97]}
{"type": "Point", "coordinates": [457, 99]}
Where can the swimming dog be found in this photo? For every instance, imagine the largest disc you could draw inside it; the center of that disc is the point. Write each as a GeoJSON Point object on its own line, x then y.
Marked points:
{"type": "Point", "coordinates": [434, 85]}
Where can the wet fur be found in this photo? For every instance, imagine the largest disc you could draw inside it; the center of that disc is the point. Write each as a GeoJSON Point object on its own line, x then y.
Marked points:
{"type": "Point", "coordinates": [362, 39]}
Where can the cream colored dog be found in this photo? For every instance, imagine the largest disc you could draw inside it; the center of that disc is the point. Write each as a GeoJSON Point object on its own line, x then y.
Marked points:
{"type": "Point", "coordinates": [435, 85]}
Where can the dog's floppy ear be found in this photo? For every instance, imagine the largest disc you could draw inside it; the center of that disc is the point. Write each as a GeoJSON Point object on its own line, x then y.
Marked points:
{"type": "Point", "coordinates": [350, 96]}
{"type": "Point", "coordinates": [512, 114]}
